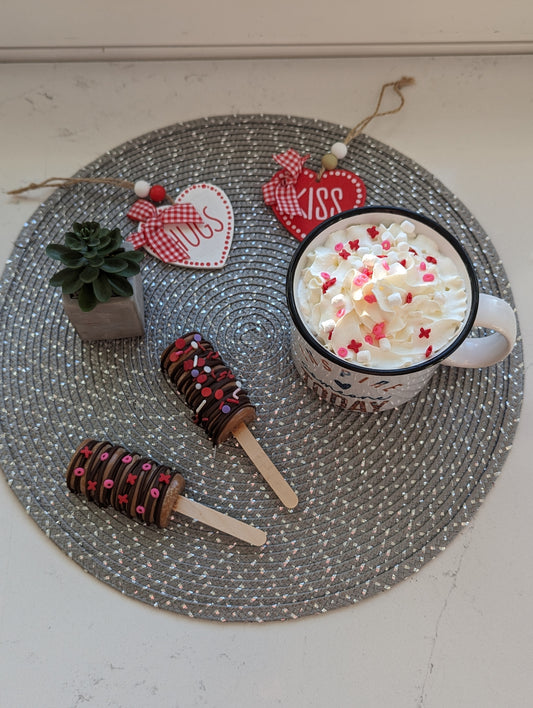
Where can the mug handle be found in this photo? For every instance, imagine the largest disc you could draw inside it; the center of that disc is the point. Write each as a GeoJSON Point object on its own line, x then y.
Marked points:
{"type": "Point", "coordinates": [493, 313]}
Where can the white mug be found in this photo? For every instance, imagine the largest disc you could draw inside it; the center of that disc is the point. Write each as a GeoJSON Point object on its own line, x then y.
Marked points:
{"type": "Point", "coordinates": [365, 389]}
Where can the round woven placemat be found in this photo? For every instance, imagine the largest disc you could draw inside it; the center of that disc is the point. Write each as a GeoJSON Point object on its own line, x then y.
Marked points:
{"type": "Point", "coordinates": [380, 495]}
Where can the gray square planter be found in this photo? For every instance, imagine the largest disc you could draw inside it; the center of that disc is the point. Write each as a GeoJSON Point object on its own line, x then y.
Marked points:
{"type": "Point", "coordinates": [119, 318]}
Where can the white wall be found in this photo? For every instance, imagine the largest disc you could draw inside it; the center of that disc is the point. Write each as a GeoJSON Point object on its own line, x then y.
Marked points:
{"type": "Point", "coordinates": [130, 29]}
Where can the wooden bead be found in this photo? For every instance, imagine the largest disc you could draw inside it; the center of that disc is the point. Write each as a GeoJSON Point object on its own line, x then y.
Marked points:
{"type": "Point", "coordinates": [329, 161]}
{"type": "Point", "coordinates": [141, 189]}
{"type": "Point", "coordinates": [157, 193]}
{"type": "Point", "coordinates": [340, 150]}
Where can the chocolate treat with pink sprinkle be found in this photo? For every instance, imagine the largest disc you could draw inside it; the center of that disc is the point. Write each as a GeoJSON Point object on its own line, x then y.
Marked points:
{"type": "Point", "coordinates": [137, 486]}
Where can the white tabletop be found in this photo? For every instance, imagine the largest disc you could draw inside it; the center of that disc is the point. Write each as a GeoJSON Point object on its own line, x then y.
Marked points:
{"type": "Point", "coordinates": [460, 632]}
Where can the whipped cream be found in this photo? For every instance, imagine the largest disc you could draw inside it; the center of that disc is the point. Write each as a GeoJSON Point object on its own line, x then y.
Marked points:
{"type": "Point", "coordinates": [381, 296]}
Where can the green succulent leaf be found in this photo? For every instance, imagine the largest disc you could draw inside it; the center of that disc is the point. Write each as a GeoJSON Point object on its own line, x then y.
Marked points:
{"type": "Point", "coordinates": [86, 298]}
{"type": "Point", "coordinates": [130, 270]}
{"type": "Point", "coordinates": [75, 242]}
{"type": "Point", "coordinates": [120, 286]}
{"type": "Point", "coordinates": [102, 288]}
{"type": "Point", "coordinates": [89, 274]}
{"type": "Point", "coordinates": [114, 264]}
{"type": "Point", "coordinates": [133, 256]}
{"type": "Point", "coordinates": [95, 260]}
{"type": "Point", "coordinates": [57, 251]}
{"type": "Point", "coordinates": [66, 276]}
{"type": "Point", "coordinates": [72, 286]}
{"type": "Point", "coordinates": [115, 239]}
{"type": "Point", "coordinates": [57, 280]}
{"type": "Point", "coordinates": [73, 260]}
{"type": "Point", "coordinates": [103, 243]}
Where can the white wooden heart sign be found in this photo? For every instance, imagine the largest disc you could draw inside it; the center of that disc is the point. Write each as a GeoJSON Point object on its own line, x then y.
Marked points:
{"type": "Point", "coordinates": [205, 244]}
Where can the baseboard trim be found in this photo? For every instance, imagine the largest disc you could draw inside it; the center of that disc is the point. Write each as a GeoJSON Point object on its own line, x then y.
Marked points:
{"type": "Point", "coordinates": [266, 51]}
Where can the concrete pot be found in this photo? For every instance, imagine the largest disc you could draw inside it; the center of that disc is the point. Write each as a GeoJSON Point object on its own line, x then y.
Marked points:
{"type": "Point", "coordinates": [118, 318]}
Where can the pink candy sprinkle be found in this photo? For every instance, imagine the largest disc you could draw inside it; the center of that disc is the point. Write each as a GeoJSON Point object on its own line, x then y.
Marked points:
{"type": "Point", "coordinates": [147, 467]}
{"type": "Point", "coordinates": [428, 277]}
{"type": "Point", "coordinates": [79, 471]}
{"type": "Point", "coordinates": [341, 312]}
{"type": "Point", "coordinates": [385, 245]}
{"type": "Point", "coordinates": [360, 280]}
{"type": "Point", "coordinates": [127, 459]}
{"type": "Point", "coordinates": [324, 275]}
{"type": "Point", "coordinates": [339, 247]}
{"type": "Point", "coordinates": [108, 483]}
{"type": "Point", "coordinates": [422, 266]}
{"type": "Point", "coordinates": [369, 339]}
{"type": "Point", "coordinates": [378, 330]}
{"type": "Point", "coordinates": [154, 493]}
{"type": "Point", "coordinates": [342, 352]}
{"type": "Point", "coordinates": [104, 456]}
{"type": "Point", "coordinates": [140, 509]}
{"type": "Point", "coordinates": [386, 266]}
{"type": "Point", "coordinates": [370, 298]}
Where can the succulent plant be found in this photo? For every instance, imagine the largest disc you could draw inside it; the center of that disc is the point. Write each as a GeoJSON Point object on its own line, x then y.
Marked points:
{"type": "Point", "coordinates": [97, 267]}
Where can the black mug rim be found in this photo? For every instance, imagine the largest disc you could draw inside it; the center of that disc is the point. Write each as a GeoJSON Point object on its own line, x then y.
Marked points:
{"type": "Point", "coordinates": [408, 214]}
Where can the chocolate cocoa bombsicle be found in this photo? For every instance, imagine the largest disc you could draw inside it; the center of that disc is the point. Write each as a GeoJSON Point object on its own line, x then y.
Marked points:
{"type": "Point", "coordinates": [142, 489]}
{"type": "Point", "coordinates": [219, 403]}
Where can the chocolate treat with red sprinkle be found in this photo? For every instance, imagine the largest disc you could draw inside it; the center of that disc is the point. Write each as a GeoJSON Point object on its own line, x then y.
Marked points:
{"type": "Point", "coordinates": [209, 387]}
{"type": "Point", "coordinates": [137, 486]}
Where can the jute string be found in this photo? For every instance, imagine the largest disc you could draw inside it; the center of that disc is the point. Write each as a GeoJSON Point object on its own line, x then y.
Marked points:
{"type": "Point", "coordinates": [397, 87]}
{"type": "Point", "coordinates": [69, 181]}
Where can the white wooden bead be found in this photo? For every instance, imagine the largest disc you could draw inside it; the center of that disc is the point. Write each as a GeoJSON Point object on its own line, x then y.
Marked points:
{"type": "Point", "coordinates": [141, 189]}
{"type": "Point", "coordinates": [340, 150]}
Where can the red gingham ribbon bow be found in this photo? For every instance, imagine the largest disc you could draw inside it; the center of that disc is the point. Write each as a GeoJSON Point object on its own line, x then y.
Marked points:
{"type": "Point", "coordinates": [151, 229]}
{"type": "Point", "coordinates": [280, 191]}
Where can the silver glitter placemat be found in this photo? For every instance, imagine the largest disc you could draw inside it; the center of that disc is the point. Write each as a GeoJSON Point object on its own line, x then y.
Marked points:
{"type": "Point", "coordinates": [380, 495]}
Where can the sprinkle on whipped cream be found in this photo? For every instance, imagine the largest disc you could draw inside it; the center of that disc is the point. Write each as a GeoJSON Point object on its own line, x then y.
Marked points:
{"type": "Point", "coordinates": [381, 296]}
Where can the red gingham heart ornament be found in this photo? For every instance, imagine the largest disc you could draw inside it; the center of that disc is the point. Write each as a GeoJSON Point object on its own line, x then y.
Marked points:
{"type": "Point", "coordinates": [338, 190]}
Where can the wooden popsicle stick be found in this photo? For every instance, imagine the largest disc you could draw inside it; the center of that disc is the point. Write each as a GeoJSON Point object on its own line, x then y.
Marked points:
{"type": "Point", "coordinates": [265, 466]}
{"type": "Point", "coordinates": [222, 522]}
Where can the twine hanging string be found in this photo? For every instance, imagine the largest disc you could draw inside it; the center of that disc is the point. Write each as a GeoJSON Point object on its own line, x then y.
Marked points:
{"type": "Point", "coordinates": [397, 87]}
{"type": "Point", "coordinates": [70, 181]}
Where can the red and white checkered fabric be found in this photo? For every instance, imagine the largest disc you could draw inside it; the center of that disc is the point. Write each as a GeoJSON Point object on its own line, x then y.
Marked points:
{"type": "Point", "coordinates": [280, 191]}
{"type": "Point", "coordinates": [152, 232]}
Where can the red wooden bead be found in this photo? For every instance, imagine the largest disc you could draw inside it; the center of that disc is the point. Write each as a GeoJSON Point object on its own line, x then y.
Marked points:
{"type": "Point", "coordinates": [157, 193]}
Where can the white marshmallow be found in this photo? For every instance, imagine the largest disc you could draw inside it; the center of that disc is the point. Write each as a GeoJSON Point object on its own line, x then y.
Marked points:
{"type": "Point", "coordinates": [363, 357]}
{"type": "Point", "coordinates": [407, 226]}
